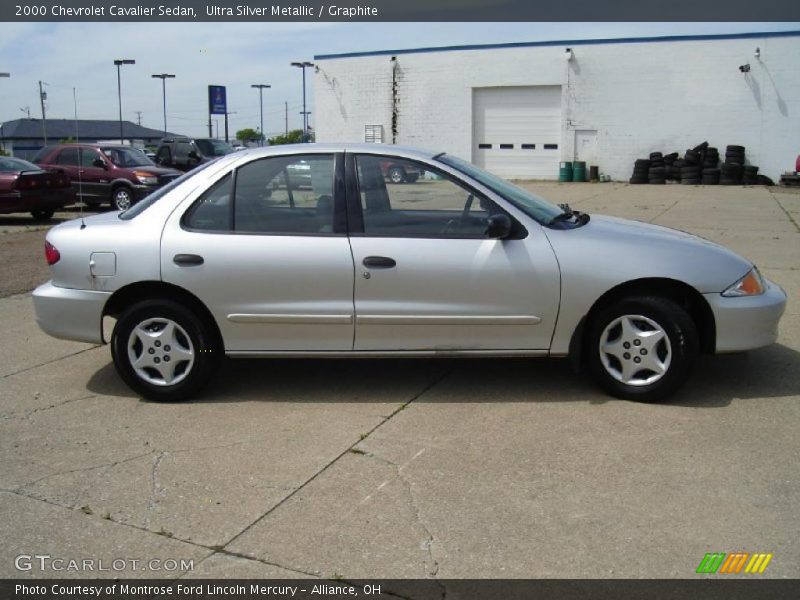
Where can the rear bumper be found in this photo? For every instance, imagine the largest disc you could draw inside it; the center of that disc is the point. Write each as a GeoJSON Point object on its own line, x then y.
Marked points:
{"type": "Point", "coordinates": [16, 202]}
{"type": "Point", "coordinates": [747, 322]}
{"type": "Point", "coordinates": [70, 314]}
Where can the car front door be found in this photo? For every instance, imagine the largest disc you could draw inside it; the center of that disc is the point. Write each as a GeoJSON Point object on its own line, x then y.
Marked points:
{"type": "Point", "coordinates": [96, 180]}
{"type": "Point", "coordinates": [271, 262]}
{"type": "Point", "coordinates": [429, 278]}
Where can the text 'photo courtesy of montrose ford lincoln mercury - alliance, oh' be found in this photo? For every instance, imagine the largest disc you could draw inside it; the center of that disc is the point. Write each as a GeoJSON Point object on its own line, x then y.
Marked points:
{"type": "Point", "coordinates": [232, 259]}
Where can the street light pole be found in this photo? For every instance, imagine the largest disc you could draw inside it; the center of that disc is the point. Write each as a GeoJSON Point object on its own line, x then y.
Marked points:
{"type": "Point", "coordinates": [303, 65]}
{"type": "Point", "coordinates": [261, 87]}
{"type": "Point", "coordinates": [163, 77]}
{"type": "Point", "coordinates": [119, 62]}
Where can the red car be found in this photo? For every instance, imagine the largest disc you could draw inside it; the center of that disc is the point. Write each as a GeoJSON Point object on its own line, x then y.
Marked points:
{"type": "Point", "coordinates": [120, 175]}
{"type": "Point", "coordinates": [25, 187]}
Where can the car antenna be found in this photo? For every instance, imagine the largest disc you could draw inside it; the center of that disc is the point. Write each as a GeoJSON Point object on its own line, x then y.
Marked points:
{"type": "Point", "coordinates": [80, 158]}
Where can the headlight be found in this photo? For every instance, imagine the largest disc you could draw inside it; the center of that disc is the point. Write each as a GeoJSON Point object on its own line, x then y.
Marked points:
{"type": "Point", "coordinates": [751, 284]}
{"type": "Point", "coordinates": [145, 177]}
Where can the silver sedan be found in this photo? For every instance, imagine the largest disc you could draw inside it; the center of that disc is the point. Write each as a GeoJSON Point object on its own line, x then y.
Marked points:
{"type": "Point", "coordinates": [234, 259]}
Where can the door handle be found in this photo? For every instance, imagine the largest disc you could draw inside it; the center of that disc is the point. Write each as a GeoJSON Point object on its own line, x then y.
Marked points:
{"type": "Point", "coordinates": [379, 262]}
{"type": "Point", "coordinates": [187, 260]}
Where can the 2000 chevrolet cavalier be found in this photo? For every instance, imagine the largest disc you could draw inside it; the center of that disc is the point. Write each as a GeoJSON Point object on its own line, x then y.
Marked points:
{"type": "Point", "coordinates": [235, 258]}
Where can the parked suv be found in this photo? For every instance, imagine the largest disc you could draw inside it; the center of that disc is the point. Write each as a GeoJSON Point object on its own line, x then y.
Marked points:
{"type": "Point", "coordinates": [120, 175]}
{"type": "Point", "coordinates": [398, 172]}
{"type": "Point", "coordinates": [186, 153]}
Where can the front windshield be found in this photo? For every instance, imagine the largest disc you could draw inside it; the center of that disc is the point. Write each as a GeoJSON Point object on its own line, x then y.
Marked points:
{"type": "Point", "coordinates": [11, 165]}
{"type": "Point", "coordinates": [214, 147]}
{"type": "Point", "coordinates": [128, 157]}
{"type": "Point", "coordinates": [539, 209]}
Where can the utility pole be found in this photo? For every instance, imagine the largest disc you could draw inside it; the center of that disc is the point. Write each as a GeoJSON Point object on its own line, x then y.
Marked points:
{"type": "Point", "coordinates": [118, 62]}
{"type": "Point", "coordinates": [138, 117]}
{"type": "Point", "coordinates": [42, 98]}
{"type": "Point", "coordinates": [226, 125]}
{"type": "Point", "coordinates": [27, 111]}
{"type": "Point", "coordinates": [163, 77]}
{"type": "Point", "coordinates": [303, 65]}
{"type": "Point", "coordinates": [286, 117]}
{"type": "Point", "coordinates": [210, 133]}
{"type": "Point", "coordinates": [260, 87]}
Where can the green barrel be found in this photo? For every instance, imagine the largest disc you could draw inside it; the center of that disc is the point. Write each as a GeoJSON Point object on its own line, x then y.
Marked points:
{"type": "Point", "coordinates": [565, 171]}
{"type": "Point", "coordinates": [579, 171]}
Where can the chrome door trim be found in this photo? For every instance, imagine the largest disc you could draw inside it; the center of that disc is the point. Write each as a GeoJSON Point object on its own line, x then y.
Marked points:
{"type": "Point", "coordinates": [447, 320]}
{"type": "Point", "coordinates": [292, 318]}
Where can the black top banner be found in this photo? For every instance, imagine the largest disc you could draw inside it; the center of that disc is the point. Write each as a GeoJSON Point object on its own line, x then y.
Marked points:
{"type": "Point", "coordinates": [399, 10]}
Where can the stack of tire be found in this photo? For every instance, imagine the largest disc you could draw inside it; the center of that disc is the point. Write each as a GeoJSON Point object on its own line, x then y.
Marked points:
{"type": "Point", "coordinates": [657, 174]}
{"type": "Point", "coordinates": [641, 171]}
{"type": "Point", "coordinates": [677, 167]}
{"type": "Point", "coordinates": [669, 162]}
{"type": "Point", "coordinates": [750, 176]}
{"type": "Point", "coordinates": [732, 169]}
{"type": "Point", "coordinates": [692, 165]}
{"type": "Point", "coordinates": [711, 170]}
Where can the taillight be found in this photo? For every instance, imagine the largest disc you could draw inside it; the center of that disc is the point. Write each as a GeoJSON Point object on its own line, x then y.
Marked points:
{"type": "Point", "coordinates": [51, 253]}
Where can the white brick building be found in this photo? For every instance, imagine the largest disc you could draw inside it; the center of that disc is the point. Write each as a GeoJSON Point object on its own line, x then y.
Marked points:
{"type": "Point", "coordinates": [519, 109]}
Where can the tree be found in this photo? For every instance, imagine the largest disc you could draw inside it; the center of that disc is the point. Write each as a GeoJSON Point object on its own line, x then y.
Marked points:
{"type": "Point", "coordinates": [248, 134]}
{"type": "Point", "coordinates": [295, 136]}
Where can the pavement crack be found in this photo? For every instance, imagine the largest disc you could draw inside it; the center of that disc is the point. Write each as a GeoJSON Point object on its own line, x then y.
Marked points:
{"type": "Point", "coordinates": [786, 212]}
{"type": "Point", "coordinates": [81, 470]}
{"type": "Point", "coordinates": [665, 211]}
{"type": "Point", "coordinates": [436, 381]}
{"type": "Point", "coordinates": [155, 491]}
{"type": "Point", "coordinates": [26, 369]}
{"type": "Point", "coordinates": [29, 413]}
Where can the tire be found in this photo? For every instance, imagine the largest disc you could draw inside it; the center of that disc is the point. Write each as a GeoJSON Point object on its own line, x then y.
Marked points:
{"type": "Point", "coordinates": [42, 214]}
{"type": "Point", "coordinates": [122, 198]}
{"type": "Point", "coordinates": [658, 181]}
{"type": "Point", "coordinates": [191, 348]}
{"type": "Point", "coordinates": [633, 320]}
{"type": "Point", "coordinates": [732, 148]}
{"type": "Point", "coordinates": [397, 175]}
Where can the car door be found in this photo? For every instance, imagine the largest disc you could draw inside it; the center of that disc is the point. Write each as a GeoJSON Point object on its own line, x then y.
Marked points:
{"type": "Point", "coordinates": [96, 180]}
{"type": "Point", "coordinates": [68, 160]}
{"type": "Point", "coordinates": [427, 277]}
{"type": "Point", "coordinates": [271, 262]}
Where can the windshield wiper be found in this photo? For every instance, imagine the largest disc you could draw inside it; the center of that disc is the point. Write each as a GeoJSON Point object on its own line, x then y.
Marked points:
{"type": "Point", "coordinates": [580, 218]}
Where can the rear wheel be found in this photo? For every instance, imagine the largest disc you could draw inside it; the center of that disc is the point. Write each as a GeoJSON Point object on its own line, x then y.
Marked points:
{"type": "Point", "coordinates": [41, 214]}
{"type": "Point", "coordinates": [121, 198]}
{"type": "Point", "coordinates": [642, 348]}
{"type": "Point", "coordinates": [164, 351]}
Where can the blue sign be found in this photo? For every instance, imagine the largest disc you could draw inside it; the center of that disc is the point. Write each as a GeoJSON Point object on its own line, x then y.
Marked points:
{"type": "Point", "coordinates": [217, 103]}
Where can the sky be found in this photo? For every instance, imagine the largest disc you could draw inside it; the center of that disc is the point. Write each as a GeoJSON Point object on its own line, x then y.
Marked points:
{"type": "Point", "coordinates": [80, 56]}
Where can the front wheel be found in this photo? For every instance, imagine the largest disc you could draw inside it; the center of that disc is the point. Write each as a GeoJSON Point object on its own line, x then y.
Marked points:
{"type": "Point", "coordinates": [642, 348]}
{"type": "Point", "coordinates": [121, 198]}
{"type": "Point", "coordinates": [397, 175]}
{"type": "Point", "coordinates": [164, 351]}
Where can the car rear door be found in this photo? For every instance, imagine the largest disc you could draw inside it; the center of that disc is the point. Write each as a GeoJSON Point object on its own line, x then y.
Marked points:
{"type": "Point", "coordinates": [271, 262]}
{"type": "Point", "coordinates": [427, 278]}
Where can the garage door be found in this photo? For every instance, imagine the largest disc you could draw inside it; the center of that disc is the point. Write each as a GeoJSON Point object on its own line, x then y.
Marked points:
{"type": "Point", "coordinates": [517, 130]}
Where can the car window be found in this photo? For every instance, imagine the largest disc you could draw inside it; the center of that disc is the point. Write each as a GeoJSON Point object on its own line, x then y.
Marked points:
{"type": "Point", "coordinates": [11, 165]}
{"type": "Point", "coordinates": [212, 211]}
{"type": "Point", "coordinates": [287, 195]}
{"type": "Point", "coordinates": [401, 198]}
{"type": "Point", "coordinates": [127, 157]}
{"type": "Point", "coordinates": [182, 150]}
{"type": "Point", "coordinates": [68, 156]}
{"type": "Point", "coordinates": [88, 156]}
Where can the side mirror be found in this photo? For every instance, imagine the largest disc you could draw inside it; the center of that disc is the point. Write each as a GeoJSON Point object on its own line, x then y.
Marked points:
{"type": "Point", "coordinates": [99, 163]}
{"type": "Point", "coordinates": [498, 227]}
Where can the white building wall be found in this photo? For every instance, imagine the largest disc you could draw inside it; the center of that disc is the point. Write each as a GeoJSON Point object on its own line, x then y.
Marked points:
{"type": "Point", "coordinates": [640, 97]}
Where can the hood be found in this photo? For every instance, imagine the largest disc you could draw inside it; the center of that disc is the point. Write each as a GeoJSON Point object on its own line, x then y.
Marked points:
{"type": "Point", "coordinates": [620, 250]}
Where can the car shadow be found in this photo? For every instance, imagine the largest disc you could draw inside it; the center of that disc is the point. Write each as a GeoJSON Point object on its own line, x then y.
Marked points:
{"type": "Point", "coordinates": [770, 372]}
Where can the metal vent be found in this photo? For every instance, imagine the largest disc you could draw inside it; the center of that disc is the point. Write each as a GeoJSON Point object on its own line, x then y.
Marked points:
{"type": "Point", "coordinates": [373, 134]}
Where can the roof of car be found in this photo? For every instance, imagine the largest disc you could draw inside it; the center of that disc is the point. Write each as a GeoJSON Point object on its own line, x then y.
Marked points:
{"type": "Point", "coordinates": [312, 148]}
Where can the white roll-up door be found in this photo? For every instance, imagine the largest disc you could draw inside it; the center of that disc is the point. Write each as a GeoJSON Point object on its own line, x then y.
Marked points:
{"type": "Point", "coordinates": [517, 130]}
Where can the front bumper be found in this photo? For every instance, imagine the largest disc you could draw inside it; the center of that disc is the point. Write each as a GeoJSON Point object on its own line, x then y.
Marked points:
{"type": "Point", "coordinates": [70, 314]}
{"type": "Point", "coordinates": [747, 322]}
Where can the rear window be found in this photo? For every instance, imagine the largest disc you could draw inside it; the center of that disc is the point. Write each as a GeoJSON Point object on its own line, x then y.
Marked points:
{"type": "Point", "coordinates": [148, 201]}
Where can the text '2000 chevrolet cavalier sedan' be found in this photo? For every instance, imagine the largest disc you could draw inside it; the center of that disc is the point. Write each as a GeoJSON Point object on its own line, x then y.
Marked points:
{"type": "Point", "coordinates": [234, 259]}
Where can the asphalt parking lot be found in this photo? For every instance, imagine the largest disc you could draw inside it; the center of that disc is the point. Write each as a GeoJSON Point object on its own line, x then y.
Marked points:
{"type": "Point", "coordinates": [504, 468]}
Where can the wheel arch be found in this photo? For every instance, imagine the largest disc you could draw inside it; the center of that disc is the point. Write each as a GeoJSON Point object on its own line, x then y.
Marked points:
{"type": "Point", "coordinates": [681, 293]}
{"type": "Point", "coordinates": [149, 290]}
